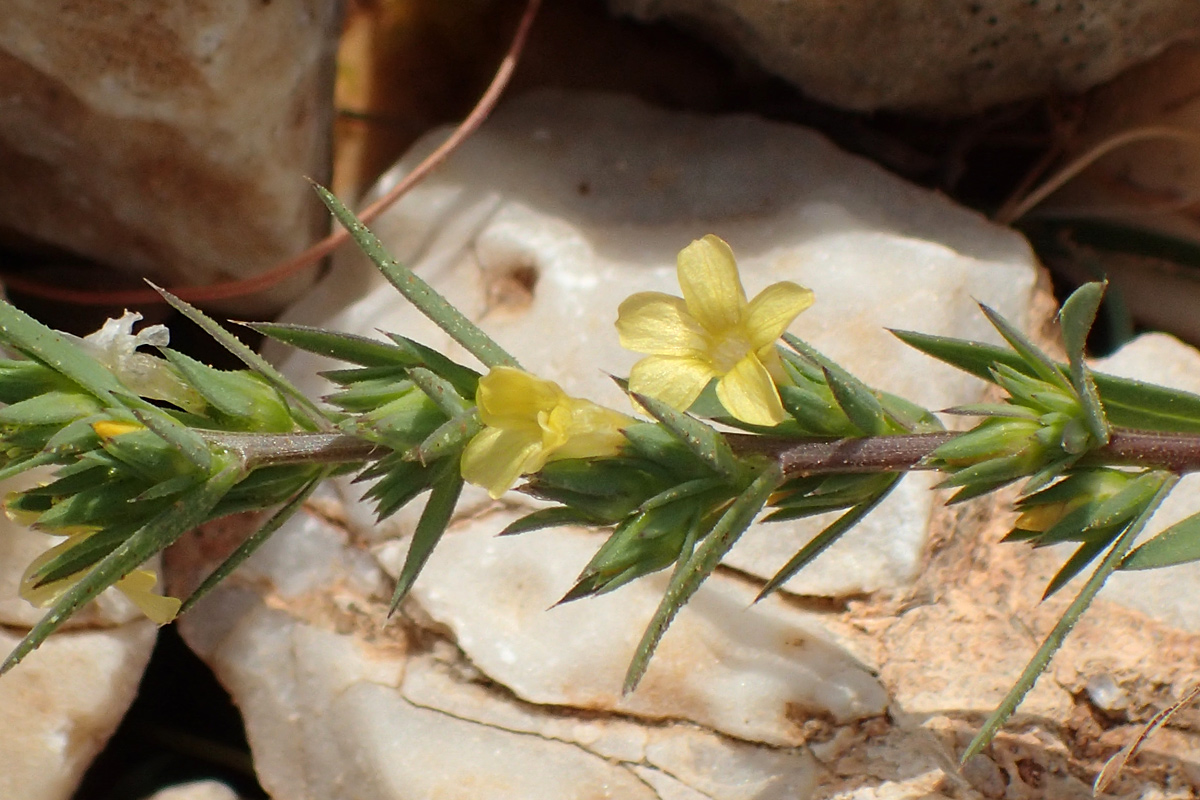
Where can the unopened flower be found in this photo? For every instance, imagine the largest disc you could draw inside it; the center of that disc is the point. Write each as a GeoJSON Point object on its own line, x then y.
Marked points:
{"type": "Point", "coordinates": [530, 421]}
{"type": "Point", "coordinates": [712, 332]}
{"type": "Point", "coordinates": [137, 586]}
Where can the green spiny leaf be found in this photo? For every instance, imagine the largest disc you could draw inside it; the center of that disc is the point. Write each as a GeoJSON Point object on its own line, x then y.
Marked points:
{"type": "Point", "coordinates": [1055, 639]}
{"type": "Point", "coordinates": [334, 344]}
{"type": "Point", "coordinates": [439, 390]}
{"type": "Point", "coordinates": [821, 542]}
{"type": "Point", "coordinates": [434, 520]}
{"type": "Point", "coordinates": [1030, 353]}
{"type": "Point", "coordinates": [554, 517]}
{"type": "Point", "coordinates": [451, 436]}
{"type": "Point", "coordinates": [691, 574]}
{"type": "Point", "coordinates": [50, 408]}
{"type": "Point", "coordinates": [255, 540]}
{"type": "Point", "coordinates": [1077, 315]}
{"type": "Point", "coordinates": [417, 291]}
{"type": "Point", "coordinates": [1177, 544]}
{"type": "Point", "coordinates": [157, 534]}
{"type": "Point", "coordinates": [50, 347]}
{"type": "Point", "coordinates": [251, 359]}
{"type": "Point", "coordinates": [1127, 403]}
{"type": "Point", "coordinates": [704, 442]}
{"type": "Point", "coordinates": [861, 407]}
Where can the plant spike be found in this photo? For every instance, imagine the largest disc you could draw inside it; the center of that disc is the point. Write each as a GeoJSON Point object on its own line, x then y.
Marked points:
{"type": "Point", "coordinates": [690, 574]}
{"type": "Point", "coordinates": [1054, 640]}
{"type": "Point", "coordinates": [1077, 315]}
{"type": "Point", "coordinates": [417, 291]}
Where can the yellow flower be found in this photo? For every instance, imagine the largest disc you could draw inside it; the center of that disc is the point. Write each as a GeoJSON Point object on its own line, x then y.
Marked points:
{"type": "Point", "coordinates": [531, 421]}
{"type": "Point", "coordinates": [137, 585]}
{"type": "Point", "coordinates": [712, 332]}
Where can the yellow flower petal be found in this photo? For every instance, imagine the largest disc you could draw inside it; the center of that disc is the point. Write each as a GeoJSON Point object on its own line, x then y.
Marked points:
{"type": "Point", "coordinates": [593, 431]}
{"type": "Point", "coordinates": [509, 396]}
{"type": "Point", "coordinates": [708, 276]}
{"type": "Point", "coordinates": [749, 394]}
{"type": "Point", "coordinates": [138, 586]}
{"type": "Point", "coordinates": [659, 324]}
{"type": "Point", "coordinates": [677, 381]}
{"type": "Point", "coordinates": [773, 310]}
{"type": "Point", "coordinates": [497, 457]}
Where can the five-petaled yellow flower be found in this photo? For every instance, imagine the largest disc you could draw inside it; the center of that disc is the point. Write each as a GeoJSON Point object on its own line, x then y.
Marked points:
{"type": "Point", "coordinates": [712, 332]}
{"type": "Point", "coordinates": [531, 421]}
{"type": "Point", "coordinates": [137, 586]}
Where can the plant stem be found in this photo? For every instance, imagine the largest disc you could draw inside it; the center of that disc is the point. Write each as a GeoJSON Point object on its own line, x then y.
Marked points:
{"type": "Point", "coordinates": [1176, 452]}
{"type": "Point", "coordinates": [273, 449]}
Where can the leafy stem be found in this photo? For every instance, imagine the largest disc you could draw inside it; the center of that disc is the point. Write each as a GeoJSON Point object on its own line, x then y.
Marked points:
{"type": "Point", "coordinates": [1176, 452]}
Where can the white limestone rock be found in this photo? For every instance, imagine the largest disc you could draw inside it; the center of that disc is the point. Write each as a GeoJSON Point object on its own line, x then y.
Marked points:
{"type": "Point", "coordinates": [943, 56]}
{"type": "Point", "coordinates": [60, 706]}
{"type": "Point", "coordinates": [172, 136]}
{"type": "Point", "coordinates": [196, 790]}
{"type": "Point", "coordinates": [339, 704]}
{"type": "Point", "coordinates": [63, 702]}
{"type": "Point", "coordinates": [566, 204]}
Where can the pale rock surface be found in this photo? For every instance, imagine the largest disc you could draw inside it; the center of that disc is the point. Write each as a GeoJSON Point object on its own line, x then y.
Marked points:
{"type": "Point", "coordinates": [60, 706]}
{"type": "Point", "coordinates": [62, 703]}
{"type": "Point", "coordinates": [944, 56]}
{"type": "Point", "coordinates": [172, 136]}
{"type": "Point", "coordinates": [196, 790]}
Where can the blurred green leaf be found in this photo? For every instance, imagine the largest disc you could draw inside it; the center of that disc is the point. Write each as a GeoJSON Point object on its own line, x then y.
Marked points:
{"type": "Point", "coordinates": [1077, 315]}
{"type": "Point", "coordinates": [1177, 544]}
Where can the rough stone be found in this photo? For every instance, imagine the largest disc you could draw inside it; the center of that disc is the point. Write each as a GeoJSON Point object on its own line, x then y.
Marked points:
{"type": "Point", "coordinates": [59, 707]}
{"type": "Point", "coordinates": [174, 140]}
{"type": "Point", "coordinates": [943, 56]}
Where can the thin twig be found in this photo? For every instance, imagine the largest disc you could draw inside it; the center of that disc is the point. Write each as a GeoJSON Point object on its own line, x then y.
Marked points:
{"type": "Point", "coordinates": [1082, 162]}
{"type": "Point", "coordinates": [282, 271]}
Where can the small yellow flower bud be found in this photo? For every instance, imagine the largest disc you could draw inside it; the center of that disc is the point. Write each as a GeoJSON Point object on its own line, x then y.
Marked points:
{"type": "Point", "coordinates": [107, 429]}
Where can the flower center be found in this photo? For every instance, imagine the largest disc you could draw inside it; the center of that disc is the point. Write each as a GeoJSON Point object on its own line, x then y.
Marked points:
{"type": "Point", "coordinates": [728, 348]}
